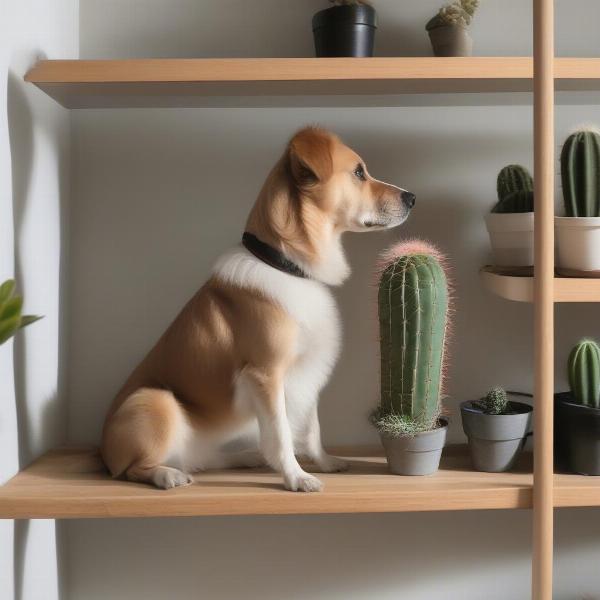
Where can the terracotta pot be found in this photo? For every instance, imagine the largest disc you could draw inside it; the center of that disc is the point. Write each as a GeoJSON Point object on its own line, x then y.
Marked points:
{"type": "Point", "coordinates": [451, 40]}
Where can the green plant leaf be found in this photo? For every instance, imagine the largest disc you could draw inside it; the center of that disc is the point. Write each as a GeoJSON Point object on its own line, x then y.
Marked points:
{"type": "Point", "coordinates": [8, 327]}
{"type": "Point", "coordinates": [28, 320]}
{"type": "Point", "coordinates": [11, 308]}
{"type": "Point", "coordinates": [7, 289]}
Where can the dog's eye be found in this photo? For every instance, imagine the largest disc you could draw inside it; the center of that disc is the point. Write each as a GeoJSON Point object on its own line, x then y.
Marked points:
{"type": "Point", "coordinates": [360, 173]}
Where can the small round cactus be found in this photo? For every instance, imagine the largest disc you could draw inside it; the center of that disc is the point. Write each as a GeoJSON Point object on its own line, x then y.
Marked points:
{"type": "Point", "coordinates": [515, 190]}
{"type": "Point", "coordinates": [495, 402]}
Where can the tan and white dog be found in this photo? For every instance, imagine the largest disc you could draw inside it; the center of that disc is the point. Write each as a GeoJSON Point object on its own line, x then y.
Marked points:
{"type": "Point", "coordinates": [235, 379]}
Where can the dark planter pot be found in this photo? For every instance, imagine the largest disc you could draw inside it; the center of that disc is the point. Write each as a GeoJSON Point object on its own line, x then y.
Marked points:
{"type": "Point", "coordinates": [495, 441]}
{"type": "Point", "coordinates": [561, 458]}
{"type": "Point", "coordinates": [416, 454]}
{"type": "Point", "coordinates": [345, 31]}
{"type": "Point", "coordinates": [578, 438]}
{"type": "Point", "coordinates": [451, 40]}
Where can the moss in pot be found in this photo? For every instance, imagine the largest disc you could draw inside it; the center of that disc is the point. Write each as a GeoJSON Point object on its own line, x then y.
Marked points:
{"type": "Point", "coordinates": [497, 427]}
{"type": "Point", "coordinates": [448, 30]}
{"type": "Point", "coordinates": [346, 29]}
{"type": "Point", "coordinates": [413, 315]}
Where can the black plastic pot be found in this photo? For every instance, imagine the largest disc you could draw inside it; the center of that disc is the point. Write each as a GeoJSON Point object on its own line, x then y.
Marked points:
{"type": "Point", "coordinates": [345, 31]}
{"type": "Point", "coordinates": [577, 435]}
{"type": "Point", "coordinates": [495, 441]}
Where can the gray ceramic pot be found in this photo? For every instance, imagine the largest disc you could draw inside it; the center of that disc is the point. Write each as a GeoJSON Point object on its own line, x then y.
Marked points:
{"type": "Point", "coordinates": [451, 40]}
{"type": "Point", "coordinates": [496, 441]}
{"type": "Point", "coordinates": [417, 454]}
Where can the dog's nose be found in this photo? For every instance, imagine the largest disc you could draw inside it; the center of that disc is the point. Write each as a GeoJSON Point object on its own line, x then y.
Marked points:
{"type": "Point", "coordinates": [409, 199]}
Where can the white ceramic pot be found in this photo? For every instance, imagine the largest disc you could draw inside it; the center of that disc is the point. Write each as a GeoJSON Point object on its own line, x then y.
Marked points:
{"type": "Point", "coordinates": [511, 237]}
{"type": "Point", "coordinates": [578, 243]}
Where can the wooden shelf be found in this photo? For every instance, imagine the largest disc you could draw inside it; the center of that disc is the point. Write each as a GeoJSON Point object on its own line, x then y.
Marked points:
{"type": "Point", "coordinates": [73, 484]}
{"type": "Point", "coordinates": [520, 289]}
{"type": "Point", "coordinates": [197, 82]}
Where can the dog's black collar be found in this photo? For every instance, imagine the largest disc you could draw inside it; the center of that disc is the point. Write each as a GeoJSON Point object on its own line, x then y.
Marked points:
{"type": "Point", "coordinates": [271, 256]}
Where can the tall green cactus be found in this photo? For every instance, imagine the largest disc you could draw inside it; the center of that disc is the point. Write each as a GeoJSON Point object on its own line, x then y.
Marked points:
{"type": "Point", "coordinates": [515, 190]}
{"type": "Point", "coordinates": [413, 307]}
{"type": "Point", "coordinates": [584, 373]}
{"type": "Point", "coordinates": [580, 174]}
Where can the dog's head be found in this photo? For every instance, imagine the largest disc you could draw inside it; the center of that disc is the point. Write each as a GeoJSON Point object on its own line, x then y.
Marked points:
{"type": "Point", "coordinates": [335, 179]}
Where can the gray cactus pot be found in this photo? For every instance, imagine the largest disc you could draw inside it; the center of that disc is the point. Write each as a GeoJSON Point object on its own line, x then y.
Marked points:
{"type": "Point", "coordinates": [495, 441]}
{"type": "Point", "coordinates": [417, 454]}
{"type": "Point", "coordinates": [451, 40]}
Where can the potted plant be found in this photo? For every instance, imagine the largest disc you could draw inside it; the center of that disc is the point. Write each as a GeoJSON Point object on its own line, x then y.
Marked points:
{"type": "Point", "coordinates": [578, 232]}
{"type": "Point", "coordinates": [510, 223]}
{"type": "Point", "coordinates": [413, 316]}
{"type": "Point", "coordinates": [448, 29]}
{"type": "Point", "coordinates": [11, 319]}
{"type": "Point", "coordinates": [578, 414]}
{"type": "Point", "coordinates": [346, 29]}
{"type": "Point", "coordinates": [496, 428]}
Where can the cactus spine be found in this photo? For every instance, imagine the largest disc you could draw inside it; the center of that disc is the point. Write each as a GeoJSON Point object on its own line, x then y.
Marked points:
{"type": "Point", "coordinates": [580, 174]}
{"type": "Point", "coordinates": [413, 306]}
{"type": "Point", "coordinates": [584, 373]}
{"type": "Point", "coordinates": [515, 190]}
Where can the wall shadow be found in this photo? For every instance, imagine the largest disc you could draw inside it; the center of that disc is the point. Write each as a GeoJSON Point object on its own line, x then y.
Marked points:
{"type": "Point", "coordinates": [31, 438]}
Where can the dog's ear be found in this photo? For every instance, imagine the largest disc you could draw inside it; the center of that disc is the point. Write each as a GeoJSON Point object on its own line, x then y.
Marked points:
{"type": "Point", "coordinates": [310, 156]}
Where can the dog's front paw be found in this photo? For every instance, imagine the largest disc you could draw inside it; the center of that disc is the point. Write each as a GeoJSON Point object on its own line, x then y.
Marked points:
{"type": "Point", "coordinates": [167, 478]}
{"type": "Point", "coordinates": [332, 464]}
{"type": "Point", "coordinates": [303, 482]}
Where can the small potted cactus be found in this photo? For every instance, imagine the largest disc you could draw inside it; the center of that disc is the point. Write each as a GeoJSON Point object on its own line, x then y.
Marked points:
{"type": "Point", "coordinates": [11, 319]}
{"type": "Point", "coordinates": [578, 233]}
{"type": "Point", "coordinates": [345, 29]}
{"type": "Point", "coordinates": [413, 322]}
{"type": "Point", "coordinates": [497, 427]}
{"type": "Point", "coordinates": [448, 30]}
{"type": "Point", "coordinates": [510, 223]}
{"type": "Point", "coordinates": [578, 413]}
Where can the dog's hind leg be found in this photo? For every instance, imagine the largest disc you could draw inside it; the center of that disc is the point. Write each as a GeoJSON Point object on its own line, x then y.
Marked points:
{"type": "Point", "coordinates": [142, 435]}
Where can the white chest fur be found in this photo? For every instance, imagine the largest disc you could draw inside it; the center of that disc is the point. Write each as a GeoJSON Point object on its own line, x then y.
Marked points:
{"type": "Point", "coordinates": [312, 306]}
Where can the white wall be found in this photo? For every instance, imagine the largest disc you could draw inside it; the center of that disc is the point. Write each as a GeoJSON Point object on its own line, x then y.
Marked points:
{"type": "Point", "coordinates": [158, 194]}
{"type": "Point", "coordinates": [34, 190]}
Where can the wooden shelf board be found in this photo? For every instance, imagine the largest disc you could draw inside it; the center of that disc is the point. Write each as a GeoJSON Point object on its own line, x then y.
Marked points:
{"type": "Point", "coordinates": [520, 289]}
{"type": "Point", "coordinates": [198, 82]}
{"type": "Point", "coordinates": [71, 483]}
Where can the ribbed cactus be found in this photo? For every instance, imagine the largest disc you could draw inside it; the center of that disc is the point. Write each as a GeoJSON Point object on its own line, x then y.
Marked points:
{"type": "Point", "coordinates": [584, 373]}
{"type": "Point", "coordinates": [580, 174]}
{"type": "Point", "coordinates": [413, 308]}
{"type": "Point", "coordinates": [515, 190]}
